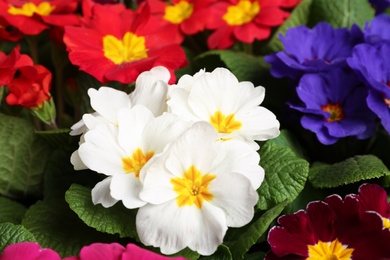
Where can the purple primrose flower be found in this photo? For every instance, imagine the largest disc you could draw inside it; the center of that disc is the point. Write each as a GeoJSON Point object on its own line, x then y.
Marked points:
{"type": "Point", "coordinates": [313, 50]}
{"type": "Point", "coordinates": [334, 106]}
{"type": "Point", "coordinates": [377, 29]}
{"type": "Point", "coordinates": [372, 64]}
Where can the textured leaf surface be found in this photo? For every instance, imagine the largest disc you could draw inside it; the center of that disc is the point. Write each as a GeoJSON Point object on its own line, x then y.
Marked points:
{"type": "Point", "coordinates": [240, 240]}
{"type": "Point", "coordinates": [55, 226]}
{"type": "Point", "coordinates": [11, 234]}
{"type": "Point", "coordinates": [285, 173]}
{"type": "Point", "coordinates": [11, 211]}
{"type": "Point", "coordinates": [343, 13]}
{"type": "Point", "coordinates": [355, 169]}
{"type": "Point", "coordinates": [23, 158]}
{"type": "Point", "coordinates": [113, 220]}
{"type": "Point", "coordinates": [245, 67]}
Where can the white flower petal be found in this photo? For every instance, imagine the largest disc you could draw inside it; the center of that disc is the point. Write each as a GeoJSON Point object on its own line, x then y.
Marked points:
{"type": "Point", "coordinates": [156, 180]}
{"type": "Point", "coordinates": [101, 194]}
{"type": "Point", "coordinates": [172, 228]}
{"type": "Point", "coordinates": [126, 187]}
{"type": "Point", "coordinates": [178, 104]}
{"type": "Point", "coordinates": [236, 156]}
{"type": "Point", "coordinates": [77, 162]}
{"type": "Point", "coordinates": [78, 128]}
{"type": "Point", "coordinates": [197, 146]}
{"type": "Point", "coordinates": [100, 151]}
{"type": "Point", "coordinates": [107, 101]}
{"type": "Point", "coordinates": [94, 119]}
{"type": "Point", "coordinates": [163, 130]}
{"type": "Point", "coordinates": [234, 194]}
{"type": "Point", "coordinates": [259, 124]}
{"type": "Point", "coordinates": [131, 125]}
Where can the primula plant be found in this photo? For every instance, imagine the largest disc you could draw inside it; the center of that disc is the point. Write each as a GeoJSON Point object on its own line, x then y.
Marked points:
{"type": "Point", "coordinates": [194, 129]}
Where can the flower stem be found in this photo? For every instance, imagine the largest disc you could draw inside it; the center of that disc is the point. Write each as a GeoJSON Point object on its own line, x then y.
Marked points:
{"type": "Point", "coordinates": [33, 45]}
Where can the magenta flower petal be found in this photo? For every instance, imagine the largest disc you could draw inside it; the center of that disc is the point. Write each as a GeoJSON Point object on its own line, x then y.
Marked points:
{"type": "Point", "coordinates": [101, 251]}
{"type": "Point", "coordinates": [28, 251]}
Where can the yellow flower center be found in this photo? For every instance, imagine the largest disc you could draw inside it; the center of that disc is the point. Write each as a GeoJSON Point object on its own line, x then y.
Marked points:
{"type": "Point", "coordinates": [130, 48]}
{"type": "Point", "coordinates": [224, 124]}
{"type": "Point", "coordinates": [29, 9]}
{"type": "Point", "coordinates": [386, 222]}
{"type": "Point", "coordinates": [192, 188]}
{"type": "Point", "coordinates": [179, 12]}
{"type": "Point", "coordinates": [335, 111]}
{"type": "Point", "coordinates": [329, 251]}
{"type": "Point", "coordinates": [135, 162]}
{"type": "Point", "coordinates": [242, 13]}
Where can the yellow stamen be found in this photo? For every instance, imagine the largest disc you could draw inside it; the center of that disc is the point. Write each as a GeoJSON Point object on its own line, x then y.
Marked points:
{"type": "Point", "coordinates": [335, 111]}
{"type": "Point", "coordinates": [135, 162]}
{"type": "Point", "coordinates": [179, 12]}
{"type": "Point", "coordinates": [386, 223]}
{"type": "Point", "coordinates": [192, 188]}
{"type": "Point", "coordinates": [29, 9]}
{"type": "Point", "coordinates": [242, 13]}
{"type": "Point", "coordinates": [224, 124]}
{"type": "Point", "coordinates": [130, 48]}
{"type": "Point", "coordinates": [329, 251]}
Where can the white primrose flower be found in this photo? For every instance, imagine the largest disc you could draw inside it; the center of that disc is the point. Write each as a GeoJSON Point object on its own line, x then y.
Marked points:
{"type": "Point", "coordinates": [121, 152]}
{"type": "Point", "coordinates": [195, 189]}
{"type": "Point", "coordinates": [151, 89]}
{"type": "Point", "coordinates": [232, 107]}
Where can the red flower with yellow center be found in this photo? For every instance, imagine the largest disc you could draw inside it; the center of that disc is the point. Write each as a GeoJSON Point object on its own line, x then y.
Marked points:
{"type": "Point", "coordinates": [189, 16]}
{"type": "Point", "coordinates": [242, 20]}
{"type": "Point", "coordinates": [34, 16]}
{"type": "Point", "coordinates": [117, 44]}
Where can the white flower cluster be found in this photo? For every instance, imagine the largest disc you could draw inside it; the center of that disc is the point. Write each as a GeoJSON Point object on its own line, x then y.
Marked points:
{"type": "Point", "coordinates": [184, 154]}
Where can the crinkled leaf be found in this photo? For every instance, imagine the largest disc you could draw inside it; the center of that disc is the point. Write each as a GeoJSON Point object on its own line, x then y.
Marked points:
{"type": "Point", "coordinates": [55, 226]}
{"type": "Point", "coordinates": [56, 138]}
{"type": "Point", "coordinates": [11, 234]}
{"type": "Point", "coordinates": [243, 66]}
{"type": "Point", "coordinates": [11, 211]}
{"type": "Point", "coordinates": [340, 14]}
{"type": "Point", "coordinates": [351, 170]}
{"type": "Point", "coordinates": [299, 16]}
{"type": "Point", "coordinates": [285, 174]}
{"type": "Point", "coordinates": [239, 240]}
{"type": "Point", "coordinates": [113, 220]}
{"type": "Point", "coordinates": [23, 158]}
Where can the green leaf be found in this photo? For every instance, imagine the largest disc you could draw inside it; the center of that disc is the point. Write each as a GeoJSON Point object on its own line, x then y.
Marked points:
{"type": "Point", "coordinates": [55, 226]}
{"type": "Point", "coordinates": [288, 140]}
{"type": "Point", "coordinates": [23, 158]}
{"type": "Point", "coordinates": [243, 66]}
{"type": "Point", "coordinates": [56, 138]}
{"type": "Point", "coordinates": [299, 16]}
{"type": "Point", "coordinates": [351, 170]}
{"type": "Point", "coordinates": [11, 234]}
{"type": "Point", "coordinates": [340, 14]}
{"type": "Point", "coordinates": [285, 174]}
{"type": "Point", "coordinates": [60, 175]}
{"type": "Point", "coordinates": [222, 253]}
{"type": "Point", "coordinates": [240, 240]}
{"type": "Point", "coordinates": [11, 211]}
{"type": "Point", "coordinates": [113, 220]}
